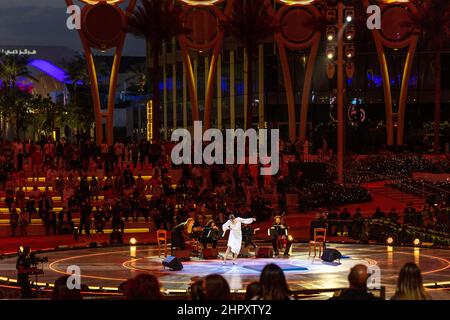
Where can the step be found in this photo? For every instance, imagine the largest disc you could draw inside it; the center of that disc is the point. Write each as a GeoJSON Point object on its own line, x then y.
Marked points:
{"type": "Point", "coordinates": [36, 228]}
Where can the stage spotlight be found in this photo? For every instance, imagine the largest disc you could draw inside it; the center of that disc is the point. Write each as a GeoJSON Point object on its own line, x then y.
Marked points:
{"type": "Point", "coordinates": [349, 51]}
{"type": "Point", "coordinates": [416, 242]}
{"type": "Point", "coordinates": [133, 241]}
{"type": "Point", "coordinates": [330, 53]}
{"type": "Point", "coordinates": [349, 14]}
{"type": "Point", "coordinates": [350, 33]}
{"type": "Point", "coordinates": [390, 240]}
{"type": "Point", "coordinates": [331, 33]}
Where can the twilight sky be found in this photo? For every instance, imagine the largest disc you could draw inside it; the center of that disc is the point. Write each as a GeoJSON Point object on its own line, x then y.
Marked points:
{"type": "Point", "coordinates": [43, 22]}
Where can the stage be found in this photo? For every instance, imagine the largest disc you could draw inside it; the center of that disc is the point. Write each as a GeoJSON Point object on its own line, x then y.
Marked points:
{"type": "Point", "coordinates": [108, 267]}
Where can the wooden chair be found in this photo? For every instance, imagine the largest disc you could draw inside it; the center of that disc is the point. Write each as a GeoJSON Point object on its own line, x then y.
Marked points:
{"type": "Point", "coordinates": [320, 235]}
{"type": "Point", "coordinates": [161, 238]}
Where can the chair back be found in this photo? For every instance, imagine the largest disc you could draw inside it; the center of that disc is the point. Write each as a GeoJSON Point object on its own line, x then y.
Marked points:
{"type": "Point", "coordinates": [320, 234]}
{"type": "Point", "coordinates": [161, 236]}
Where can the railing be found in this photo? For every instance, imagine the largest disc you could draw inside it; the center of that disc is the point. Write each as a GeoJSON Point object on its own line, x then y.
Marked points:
{"type": "Point", "coordinates": [379, 229]}
{"type": "Point", "coordinates": [297, 294]}
{"type": "Point", "coordinates": [425, 191]}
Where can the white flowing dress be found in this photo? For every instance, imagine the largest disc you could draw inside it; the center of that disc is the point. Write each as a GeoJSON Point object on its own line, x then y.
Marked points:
{"type": "Point", "coordinates": [235, 238]}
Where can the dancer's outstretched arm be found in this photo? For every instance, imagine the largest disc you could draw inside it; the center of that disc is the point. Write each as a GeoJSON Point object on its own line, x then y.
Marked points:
{"type": "Point", "coordinates": [247, 221]}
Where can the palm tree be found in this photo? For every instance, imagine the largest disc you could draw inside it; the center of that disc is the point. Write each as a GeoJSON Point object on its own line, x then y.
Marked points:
{"type": "Point", "coordinates": [77, 75]}
{"type": "Point", "coordinates": [433, 22]}
{"type": "Point", "coordinates": [79, 113]}
{"type": "Point", "coordinates": [11, 69]}
{"type": "Point", "coordinates": [46, 113]}
{"type": "Point", "coordinates": [138, 78]}
{"type": "Point", "coordinates": [250, 24]}
{"type": "Point", "coordinates": [158, 22]}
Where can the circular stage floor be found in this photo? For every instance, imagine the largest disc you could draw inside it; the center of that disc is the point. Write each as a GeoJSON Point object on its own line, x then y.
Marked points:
{"type": "Point", "coordinates": [110, 266]}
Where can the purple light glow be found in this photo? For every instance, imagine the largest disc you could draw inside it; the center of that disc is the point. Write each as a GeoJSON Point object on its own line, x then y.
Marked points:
{"type": "Point", "coordinates": [50, 69]}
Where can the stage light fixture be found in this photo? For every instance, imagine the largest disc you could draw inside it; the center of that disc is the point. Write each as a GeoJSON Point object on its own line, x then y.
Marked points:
{"type": "Point", "coordinates": [349, 14]}
{"type": "Point", "coordinates": [349, 51]}
{"type": "Point", "coordinates": [133, 241]}
{"type": "Point", "coordinates": [331, 33]}
{"type": "Point", "coordinates": [350, 33]}
{"type": "Point", "coordinates": [390, 240]}
{"type": "Point", "coordinates": [331, 51]}
{"type": "Point", "coordinates": [416, 242]}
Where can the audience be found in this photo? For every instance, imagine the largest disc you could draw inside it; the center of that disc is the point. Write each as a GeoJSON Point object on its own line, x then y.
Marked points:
{"type": "Point", "coordinates": [357, 290]}
{"type": "Point", "coordinates": [409, 284]}
{"type": "Point", "coordinates": [196, 290]}
{"type": "Point", "coordinates": [273, 285]}
{"type": "Point", "coordinates": [142, 287]}
{"type": "Point", "coordinates": [62, 292]}
{"type": "Point", "coordinates": [216, 288]}
{"type": "Point", "coordinates": [252, 291]}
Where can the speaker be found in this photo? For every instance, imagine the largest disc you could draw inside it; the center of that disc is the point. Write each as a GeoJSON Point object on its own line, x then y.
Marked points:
{"type": "Point", "coordinates": [172, 263]}
{"type": "Point", "coordinates": [210, 253]}
{"type": "Point", "coordinates": [244, 253]}
{"type": "Point", "coordinates": [329, 255]}
{"type": "Point", "coordinates": [184, 255]}
{"type": "Point", "coordinates": [264, 252]}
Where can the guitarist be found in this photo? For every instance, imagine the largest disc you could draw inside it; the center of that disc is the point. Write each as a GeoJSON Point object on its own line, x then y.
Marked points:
{"type": "Point", "coordinates": [247, 236]}
{"type": "Point", "coordinates": [210, 234]}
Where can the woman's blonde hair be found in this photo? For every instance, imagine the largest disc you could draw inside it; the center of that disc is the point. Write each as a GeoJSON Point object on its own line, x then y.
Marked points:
{"type": "Point", "coordinates": [410, 285]}
{"type": "Point", "coordinates": [189, 225]}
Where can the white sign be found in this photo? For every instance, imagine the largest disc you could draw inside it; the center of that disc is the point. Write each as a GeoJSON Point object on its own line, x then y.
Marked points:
{"type": "Point", "coordinates": [17, 52]}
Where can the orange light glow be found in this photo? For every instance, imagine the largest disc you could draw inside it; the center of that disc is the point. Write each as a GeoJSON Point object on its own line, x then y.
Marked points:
{"type": "Point", "coordinates": [150, 120]}
{"type": "Point", "coordinates": [94, 2]}
{"type": "Point", "coordinates": [297, 2]}
{"type": "Point", "coordinates": [201, 3]}
{"type": "Point", "coordinates": [395, 1]}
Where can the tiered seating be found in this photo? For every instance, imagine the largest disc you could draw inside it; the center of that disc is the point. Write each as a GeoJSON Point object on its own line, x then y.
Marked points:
{"type": "Point", "coordinates": [37, 228]}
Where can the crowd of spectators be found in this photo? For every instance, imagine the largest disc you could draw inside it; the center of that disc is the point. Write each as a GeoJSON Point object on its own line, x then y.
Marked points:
{"type": "Point", "coordinates": [431, 223]}
{"type": "Point", "coordinates": [390, 166]}
{"type": "Point", "coordinates": [272, 285]}
{"type": "Point", "coordinates": [318, 195]}
{"type": "Point", "coordinates": [105, 185]}
{"type": "Point", "coordinates": [434, 192]}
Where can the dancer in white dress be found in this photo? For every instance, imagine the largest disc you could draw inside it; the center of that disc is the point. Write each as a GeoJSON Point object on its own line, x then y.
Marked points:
{"type": "Point", "coordinates": [235, 238]}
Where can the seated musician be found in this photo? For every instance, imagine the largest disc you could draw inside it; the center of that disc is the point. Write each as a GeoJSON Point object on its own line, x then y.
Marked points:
{"type": "Point", "coordinates": [211, 234]}
{"type": "Point", "coordinates": [279, 231]}
{"type": "Point", "coordinates": [247, 236]}
{"type": "Point", "coordinates": [180, 234]}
